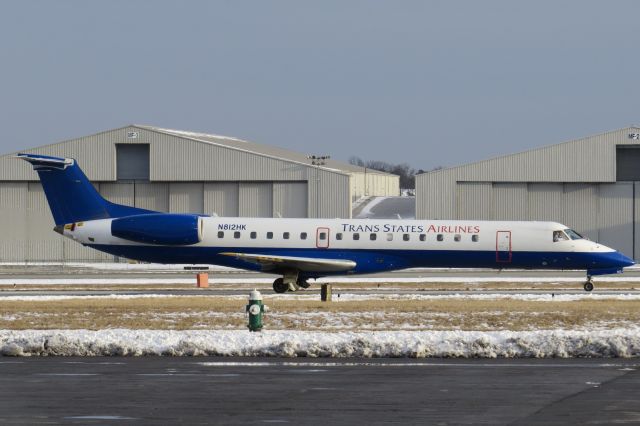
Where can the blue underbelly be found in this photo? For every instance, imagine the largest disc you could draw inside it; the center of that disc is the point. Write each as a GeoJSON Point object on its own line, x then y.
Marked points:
{"type": "Point", "coordinates": [367, 261]}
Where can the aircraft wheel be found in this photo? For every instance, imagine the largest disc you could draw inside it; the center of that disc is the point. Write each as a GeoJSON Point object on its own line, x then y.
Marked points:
{"type": "Point", "coordinates": [588, 286]}
{"type": "Point", "coordinates": [279, 286]}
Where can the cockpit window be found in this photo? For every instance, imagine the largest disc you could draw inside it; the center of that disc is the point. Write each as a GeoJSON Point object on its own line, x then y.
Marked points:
{"type": "Point", "coordinates": [559, 236]}
{"type": "Point", "coordinates": [573, 234]}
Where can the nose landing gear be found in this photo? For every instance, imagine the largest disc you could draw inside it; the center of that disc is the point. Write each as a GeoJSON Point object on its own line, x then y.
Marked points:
{"type": "Point", "coordinates": [588, 285]}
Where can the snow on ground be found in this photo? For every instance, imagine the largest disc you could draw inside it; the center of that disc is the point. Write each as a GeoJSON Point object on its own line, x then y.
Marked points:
{"type": "Point", "coordinates": [366, 211]}
{"type": "Point", "coordinates": [621, 342]}
{"type": "Point", "coordinates": [546, 297]}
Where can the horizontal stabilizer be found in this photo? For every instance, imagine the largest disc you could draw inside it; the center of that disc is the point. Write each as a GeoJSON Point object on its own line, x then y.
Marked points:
{"type": "Point", "coordinates": [45, 161]}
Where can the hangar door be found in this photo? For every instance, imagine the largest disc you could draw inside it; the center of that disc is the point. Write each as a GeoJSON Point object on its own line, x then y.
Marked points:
{"type": "Point", "coordinates": [256, 199]}
{"type": "Point", "coordinates": [290, 199]}
{"type": "Point", "coordinates": [615, 213]}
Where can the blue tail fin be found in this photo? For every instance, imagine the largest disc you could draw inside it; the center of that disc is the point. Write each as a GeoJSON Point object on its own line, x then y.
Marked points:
{"type": "Point", "coordinates": [72, 198]}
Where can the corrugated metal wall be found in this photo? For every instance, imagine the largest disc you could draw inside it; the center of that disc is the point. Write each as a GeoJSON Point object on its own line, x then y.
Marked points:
{"type": "Point", "coordinates": [636, 217]}
{"type": "Point", "coordinates": [290, 199]}
{"type": "Point", "coordinates": [120, 193]}
{"type": "Point", "coordinates": [475, 200]}
{"type": "Point", "coordinates": [179, 159]}
{"type": "Point", "coordinates": [546, 201]}
{"type": "Point", "coordinates": [255, 199]}
{"type": "Point", "coordinates": [96, 154]}
{"type": "Point", "coordinates": [573, 183]}
{"type": "Point", "coordinates": [327, 193]}
{"type": "Point", "coordinates": [510, 201]}
{"type": "Point", "coordinates": [28, 224]}
{"type": "Point", "coordinates": [186, 197]}
{"type": "Point", "coordinates": [152, 196]}
{"type": "Point", "coordinates": [42, 243]}
{"type": "Point", "coordinates": [185, 176]}
{"type": "Point", "coordinates": [581, 208]}
{"type": "Point", "coordinates": [602, 212]}
{"type": "Point", "coordinates": [590, 159]}
{"type": "Point", "coordinates": [374, 185]}
{"type": "Point", "coordinates": [13, 217]}
{"type": "Point", "coordinates": [221, 198]}
{"type": "Point", "coordinates": [615, 216]}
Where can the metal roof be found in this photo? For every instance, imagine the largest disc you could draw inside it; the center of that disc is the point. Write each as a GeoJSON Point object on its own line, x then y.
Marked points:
{"type": "Point", "coordinates": [266, 150]}
{"type": "Point", "coordinates": [588, 159]}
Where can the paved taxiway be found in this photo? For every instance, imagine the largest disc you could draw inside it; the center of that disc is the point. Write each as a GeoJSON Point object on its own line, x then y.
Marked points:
{"type": "Point", "coordinates": [243, 281]}
{"type": "Point", "coordinates": [40, 272]}
{"type": "Point", "coordinates": [306, 391]}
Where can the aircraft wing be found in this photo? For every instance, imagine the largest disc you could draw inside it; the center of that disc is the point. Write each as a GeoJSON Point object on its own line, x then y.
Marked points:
{"type": "Point", "coordinates": [306, 264]}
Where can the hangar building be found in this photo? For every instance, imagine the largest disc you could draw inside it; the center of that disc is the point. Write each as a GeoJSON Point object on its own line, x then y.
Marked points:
{"type": "Point", "coordinates": [177, 171]}
{"type": "Point", "coordinates": [591, 185]}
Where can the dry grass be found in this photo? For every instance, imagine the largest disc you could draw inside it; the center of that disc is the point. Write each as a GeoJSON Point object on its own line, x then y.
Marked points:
{"type": "Point", "coordinates": [225, 313]}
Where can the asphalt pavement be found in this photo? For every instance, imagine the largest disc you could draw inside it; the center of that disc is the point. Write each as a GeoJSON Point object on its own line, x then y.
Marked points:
{"type": "Point", "coordinates": [163, 390]}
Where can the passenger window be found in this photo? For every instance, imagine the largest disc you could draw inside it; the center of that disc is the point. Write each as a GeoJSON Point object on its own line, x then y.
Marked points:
{"type": "Point", "coordinates": [303, 235]}
{"type": "Point", "coordinates": [423, 237]}
{"type": "Point", "coordinates": [475, 238]}
{"type": "Point", "coordinates": [236, 235]}
{"type": "Point", "coordinates": [389, 237]}
{"type": "Point", "coordinates": [339, 236]}
{"type": "Point", "coordinates": [457, 237]}
{"type": "Point", "coordinates": [440, 237]}
{"type": "Point", "coordinates": [373, 237]}
{"type": "Point", "coordinates": [323, 236]}
{"type": "Point", "coordinates": [356, 236]}
{"type": "Point", "coordinates": [405, 237]}
{"type": "Point", "coordinates": [220, 234]}
{"type": "Point", "coordinates": [285, 235]}
{"type": "Point", "coordinates": [269, 235]}
{"type": "Point", "coordinates": [253, 235]}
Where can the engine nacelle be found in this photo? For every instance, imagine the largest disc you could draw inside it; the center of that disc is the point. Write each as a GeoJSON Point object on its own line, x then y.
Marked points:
{"type": "Point", "coordinates": [159, 228]}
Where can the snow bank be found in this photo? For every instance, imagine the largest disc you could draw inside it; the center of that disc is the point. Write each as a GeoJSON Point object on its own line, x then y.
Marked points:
{"type": "Point", "coordinates": [458, 344]}
{"type": "Point", "coordinates": [366, 211]}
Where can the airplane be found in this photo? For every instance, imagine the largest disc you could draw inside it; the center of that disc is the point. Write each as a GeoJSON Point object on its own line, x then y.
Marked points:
{"type": "Point", "coordinates": [301, 249]}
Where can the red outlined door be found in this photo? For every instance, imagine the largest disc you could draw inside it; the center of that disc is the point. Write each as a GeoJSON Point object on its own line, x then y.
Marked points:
{"type": "Point", "coordinates": [503, 246]}
{"type": "Point", "coordinates": [322, 238]}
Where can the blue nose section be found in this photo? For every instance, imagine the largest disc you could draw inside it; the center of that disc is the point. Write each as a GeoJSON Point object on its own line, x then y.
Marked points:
{"type": "Point", "coordinates": [624, 260]}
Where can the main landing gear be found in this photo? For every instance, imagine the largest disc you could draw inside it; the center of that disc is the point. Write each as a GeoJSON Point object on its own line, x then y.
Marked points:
{"type": "Point", "coordinates": [289, 283]}
{"type": "Point", "coordinates": [279, 286]}
{"type": "Point", "coordinates": [588, 285]}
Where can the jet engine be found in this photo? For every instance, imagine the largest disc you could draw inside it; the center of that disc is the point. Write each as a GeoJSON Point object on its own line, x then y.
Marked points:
{"type": "Point", "coordinates": [159, 228]}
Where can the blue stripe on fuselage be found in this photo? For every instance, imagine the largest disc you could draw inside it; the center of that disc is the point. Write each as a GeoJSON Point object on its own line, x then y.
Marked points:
{"type": "Point", "coordinates": [370, 261]}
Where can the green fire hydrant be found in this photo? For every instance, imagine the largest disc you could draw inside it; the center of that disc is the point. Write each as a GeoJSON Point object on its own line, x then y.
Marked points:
{"type": "Point", "coordinates": [256, 310]}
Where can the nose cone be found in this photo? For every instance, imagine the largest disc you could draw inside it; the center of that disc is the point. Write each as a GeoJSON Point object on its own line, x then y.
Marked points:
{"type": "Point", "coordinates": [624, 260]}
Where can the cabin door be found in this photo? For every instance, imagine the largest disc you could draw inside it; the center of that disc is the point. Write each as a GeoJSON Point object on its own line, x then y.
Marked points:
{"type": "Point", "coordinates": [503, 246]}
{"type": "Point", "coordinates": [322, 238]}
